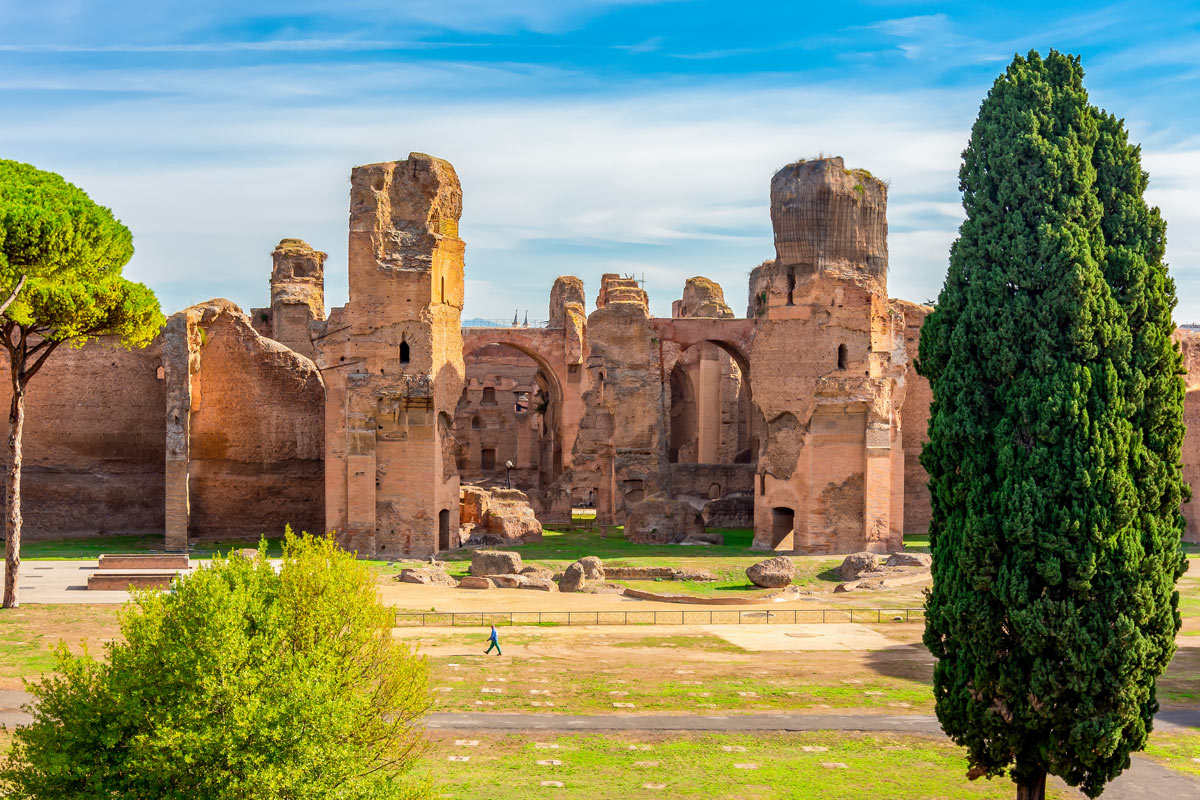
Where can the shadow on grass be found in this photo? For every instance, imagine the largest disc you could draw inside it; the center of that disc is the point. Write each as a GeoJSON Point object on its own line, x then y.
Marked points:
{"type": "Point", "coordinates": [909, 661]}
{"type": "Point", "coordinates": [831, 575]}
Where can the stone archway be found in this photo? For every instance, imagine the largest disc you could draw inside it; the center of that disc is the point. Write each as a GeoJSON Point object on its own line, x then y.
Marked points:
{"type": "Point", "coordinates": [550, 393]}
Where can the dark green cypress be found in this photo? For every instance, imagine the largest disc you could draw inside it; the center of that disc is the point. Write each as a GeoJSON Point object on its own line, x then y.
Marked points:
{"type": "Point", "coordinates": [1055, 397]}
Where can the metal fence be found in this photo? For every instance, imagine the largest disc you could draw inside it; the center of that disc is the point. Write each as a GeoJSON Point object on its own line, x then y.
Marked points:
{"type": "Point", "coordinates": [406, 619]}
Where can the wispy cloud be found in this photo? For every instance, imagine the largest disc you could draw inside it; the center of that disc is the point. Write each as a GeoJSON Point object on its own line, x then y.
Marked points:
{"type": "Point", "coordinates": [268, 46]}
{"type": "Point", "coordinates": [214, 130]}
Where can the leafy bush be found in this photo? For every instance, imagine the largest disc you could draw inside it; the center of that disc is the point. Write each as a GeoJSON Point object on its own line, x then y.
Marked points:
{"type": "Point", "coordinates": [241, 682]}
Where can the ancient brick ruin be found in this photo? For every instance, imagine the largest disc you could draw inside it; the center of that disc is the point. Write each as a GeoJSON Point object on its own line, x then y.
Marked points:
{"type": "Point", "coordinates": [390, 423]}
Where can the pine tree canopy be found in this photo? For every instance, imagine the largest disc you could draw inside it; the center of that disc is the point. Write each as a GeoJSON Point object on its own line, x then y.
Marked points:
{"type": "Point", "coordinates": [70, 251]}
{"type": "Point", "coordinates": [1055, 436]}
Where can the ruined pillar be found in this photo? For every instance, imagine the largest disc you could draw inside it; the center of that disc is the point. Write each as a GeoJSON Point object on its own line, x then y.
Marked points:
{"type": "Point", "coordinates": [567, 311]}
{"type": "Point", "coordinates": [297, 294]}
{"type": "Point", "coordinates": [393, 365]}
{"type": "Point", "coordinates": [827, 366]}
{"type": "Point", "coordinates": [179, 356]}
{"type": "Point", "coordinates": [620, 451]}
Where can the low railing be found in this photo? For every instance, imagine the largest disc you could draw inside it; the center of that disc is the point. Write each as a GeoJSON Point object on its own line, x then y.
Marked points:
{"type": "Point", "coordinates": [410, 619]}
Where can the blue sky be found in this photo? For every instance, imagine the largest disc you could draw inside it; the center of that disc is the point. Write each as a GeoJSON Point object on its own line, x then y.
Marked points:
{"type": "Point", "coordinates": [600, 136]}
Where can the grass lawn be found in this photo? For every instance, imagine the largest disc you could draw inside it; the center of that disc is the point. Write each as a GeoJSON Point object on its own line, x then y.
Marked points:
{"type": "Point", "coordinates": [92, 547]}
{"type": "Point", "coordinates": [785, 766]}
{"type": "Point", "coordinates": [636, 670]}
{"type": "Point", "coordinates": [1179, 751]}
{"type": "Point", "coordinates": [29, 633]}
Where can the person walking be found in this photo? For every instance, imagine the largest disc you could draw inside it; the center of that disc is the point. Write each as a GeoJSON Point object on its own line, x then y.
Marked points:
{"type": "Point", "coordinates": [493, 641]}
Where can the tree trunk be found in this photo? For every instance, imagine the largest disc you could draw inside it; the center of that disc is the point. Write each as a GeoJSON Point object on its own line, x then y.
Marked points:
{"type": "Point", "coordinates": [12, 496]}
{"type": "Point", "coordinates": [1035, 789]}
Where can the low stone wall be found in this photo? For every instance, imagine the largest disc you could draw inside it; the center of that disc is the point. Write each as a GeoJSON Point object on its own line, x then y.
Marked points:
{"type": "Point", "coordinates": [123, 581]}
{"type": "Point", "coordinates": [655, 574]}
{"type": "Point", "coordinates": [144, 561]}
{"type": "Point", "coordinates": [689, 599]}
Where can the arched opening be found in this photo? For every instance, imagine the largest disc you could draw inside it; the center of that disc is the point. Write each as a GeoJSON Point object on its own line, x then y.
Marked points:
{"type": "Point", "coordinates": [841, 356]}
{"type": "Point", "coordinates": [517, 397]}
{"type": "Point", "coordinates": [476, 423]}
{"type": "Point", "coordinates": [710, 419]}
{"type": "Point", "coordinates": [714, 492]}
{"type": "Point", "coordinates": [404, 352]}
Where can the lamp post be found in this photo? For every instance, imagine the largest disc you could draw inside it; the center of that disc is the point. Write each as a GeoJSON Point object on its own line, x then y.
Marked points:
{"type": "Point", "coordinates": [508, 465]}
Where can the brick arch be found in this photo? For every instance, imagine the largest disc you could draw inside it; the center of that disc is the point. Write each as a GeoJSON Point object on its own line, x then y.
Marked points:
{"type": "Point", "coordinates": [547, 349]}
{"type": "Point", "coordinates": [546, 352]}
{"type": "Point", "coordinates": [734, 336]}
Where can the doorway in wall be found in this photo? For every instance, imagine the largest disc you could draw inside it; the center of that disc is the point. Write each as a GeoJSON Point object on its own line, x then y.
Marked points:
{"type": "Point", "coordinates": [444, 529]}
{"type": "Point", "coordinates": [783, 523]}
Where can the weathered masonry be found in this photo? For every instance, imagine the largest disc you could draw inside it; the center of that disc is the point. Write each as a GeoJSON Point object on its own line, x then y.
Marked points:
{"type": "Point", "coordinates": [803, 419]}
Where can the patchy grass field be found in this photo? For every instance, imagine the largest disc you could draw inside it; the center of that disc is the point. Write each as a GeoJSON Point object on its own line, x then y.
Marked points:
{"type": "Point", "coordinates": [29, 633]}
{"type": "Point", "coordinates": [831, 766]}
{"type": "Point", "coordinates": [1178, 750]}
{"type": "Point", "coordinates": [636, 671]}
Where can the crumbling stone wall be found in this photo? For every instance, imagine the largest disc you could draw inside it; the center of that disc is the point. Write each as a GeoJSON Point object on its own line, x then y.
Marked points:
{"type": "Point", "coordinates": [393, 364]}
{"type": "Point", "coordinates": [297, 296]}
{"type": "Point", "coordinates": [917, 397]}
{"type": "Point", "coordinates": [93, 443]}
{"type": "Point", "coordinates": [257, 432]}
{"type": "Point", "coordinates": [827, 367]}
{"type": "Point", "coordinates": [1189, 343]}
{"type": "Point", "coordinates": [245, 429]}
{"type": "Point", "coordinates": [620, 451]}
{"type": "Point", "coordinates": [224, 427]}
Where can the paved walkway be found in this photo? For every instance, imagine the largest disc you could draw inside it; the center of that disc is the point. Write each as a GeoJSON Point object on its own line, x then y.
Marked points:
{"type": "Point", "coordinates": [1144, 779]}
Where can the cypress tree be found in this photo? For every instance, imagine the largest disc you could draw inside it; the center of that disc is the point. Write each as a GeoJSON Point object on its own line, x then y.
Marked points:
{"type": "Point", "coordinates": [1056, 395]}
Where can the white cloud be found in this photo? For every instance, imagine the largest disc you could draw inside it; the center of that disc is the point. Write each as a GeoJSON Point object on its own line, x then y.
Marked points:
{"type": "Point", "coordinates": [210, 168]}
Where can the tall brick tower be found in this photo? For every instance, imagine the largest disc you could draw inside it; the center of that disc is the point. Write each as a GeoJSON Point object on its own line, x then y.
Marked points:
{"type": "Point", "coordinates": [827, 367]}
{"type": "Point", "coordinates": [392, 362]}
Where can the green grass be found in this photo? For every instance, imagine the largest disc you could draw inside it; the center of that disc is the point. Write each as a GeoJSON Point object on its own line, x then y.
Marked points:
{"type": "Point", "coordinates": [727, 562]}
{"type": "Point", "coordinates": [1179, 751]}
{"type": "Point", "coordinates": [610, 544]}
{"type": "Point", "coordinates": [711, 644]}
{"type": "Point", "coordinates": [654, 683]}
{"type": "Point", "coordinates": [92, 547]}
{"type": "Point", "coordinates": [29, 633]}
{"type": "Point", "coordinates": [893, 766]}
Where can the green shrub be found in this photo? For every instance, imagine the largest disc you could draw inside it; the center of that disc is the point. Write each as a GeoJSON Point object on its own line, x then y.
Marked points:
{"type": "Point", "coordinates": [241, 682]}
